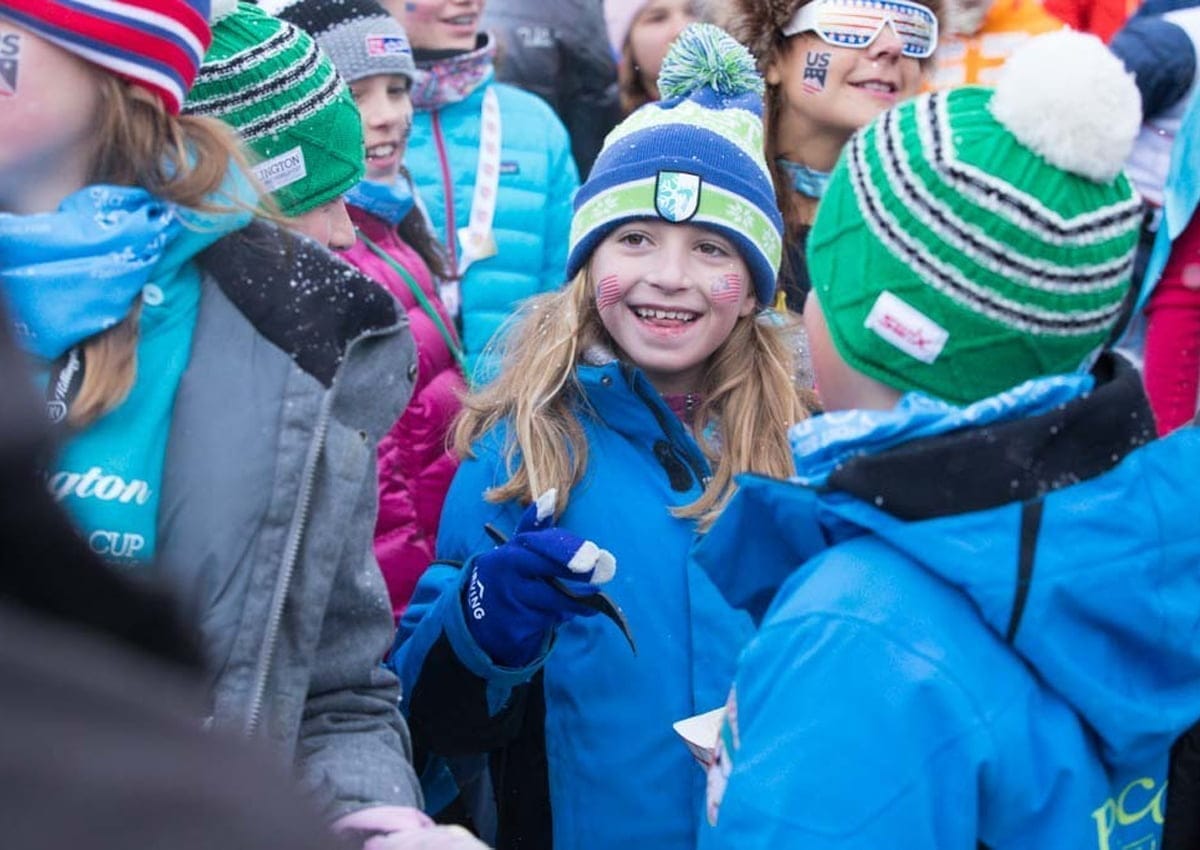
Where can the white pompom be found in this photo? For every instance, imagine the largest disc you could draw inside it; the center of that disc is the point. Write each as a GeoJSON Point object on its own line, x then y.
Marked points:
{"type": "Point", "coordinates": [221, 9]}
{"type": "Point", "coordinates": [1066, 96]}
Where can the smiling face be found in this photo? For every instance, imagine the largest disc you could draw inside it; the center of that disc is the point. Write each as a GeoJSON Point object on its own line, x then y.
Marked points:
{"type": "Point", "coordinates": [829, 92]}
{"type": "Point", "coordinates": [55, 99]}
{"type": "Point", "coordinates": [669, 295]}
{"type": "Point", "coordinates": [386, 111]}
{"type": "Point", "coordinates": [438, 24]}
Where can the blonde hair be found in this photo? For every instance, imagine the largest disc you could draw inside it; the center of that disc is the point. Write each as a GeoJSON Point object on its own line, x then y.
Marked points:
{"type": "Point", "coordinates": [181, 159]}
{"type": "Point", "coordinates": [747, 391]}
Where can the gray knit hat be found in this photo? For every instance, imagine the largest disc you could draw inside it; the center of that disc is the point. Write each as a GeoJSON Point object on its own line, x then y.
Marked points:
{"type": "Point", "coordinates": [361, 38]}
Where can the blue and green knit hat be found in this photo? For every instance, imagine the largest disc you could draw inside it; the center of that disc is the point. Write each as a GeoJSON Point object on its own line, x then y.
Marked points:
{"type": "Point", "coordinates": [696, 156]}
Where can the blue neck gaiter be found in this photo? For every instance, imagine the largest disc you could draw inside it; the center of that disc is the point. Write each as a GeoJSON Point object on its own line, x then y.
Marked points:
{"type": "Point", "coordinates": [388, 201]}
{"type": "Point", "coordinates": [72, 273]}
{"type": "Point", "coordinates": [805, 180]}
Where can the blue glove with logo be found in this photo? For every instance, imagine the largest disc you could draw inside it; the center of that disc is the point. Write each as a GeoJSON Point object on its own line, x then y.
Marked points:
{"type": "Point", "coordinates": [512, 602]}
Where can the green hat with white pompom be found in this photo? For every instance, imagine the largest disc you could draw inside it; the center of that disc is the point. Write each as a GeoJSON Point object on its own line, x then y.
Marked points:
{"type": "Point", "coordinates": [973, 239]}
{"type": "Point", "coordinates": [695, 156]}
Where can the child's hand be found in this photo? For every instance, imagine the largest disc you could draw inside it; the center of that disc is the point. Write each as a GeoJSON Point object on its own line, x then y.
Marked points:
{"type": "Point", "coordinates": [434, 838]}
{"type": "Point", "coordinates": [510, 604]}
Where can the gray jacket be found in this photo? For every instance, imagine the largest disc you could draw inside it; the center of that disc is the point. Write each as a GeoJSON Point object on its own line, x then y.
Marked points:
{"type": "Point", "coordinates": [298, 367]}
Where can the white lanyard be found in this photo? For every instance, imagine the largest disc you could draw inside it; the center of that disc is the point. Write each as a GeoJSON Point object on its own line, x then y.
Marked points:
{"type": "Point", "coordinates": [476, 240]}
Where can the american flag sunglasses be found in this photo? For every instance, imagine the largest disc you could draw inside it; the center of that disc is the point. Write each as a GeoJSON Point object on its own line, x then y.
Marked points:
{"type": "Point", "coordinates": [857, 23]}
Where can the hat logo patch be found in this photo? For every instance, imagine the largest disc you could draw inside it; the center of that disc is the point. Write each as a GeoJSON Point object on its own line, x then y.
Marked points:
{"type": "Point", "coordinates": [387, 45]}
{"type": "Point", "coordinates": [907, 328]}
{"type": "Point", "coordinates": [282, 170]}
{"type": "Point", "coordinates": [677, 195]}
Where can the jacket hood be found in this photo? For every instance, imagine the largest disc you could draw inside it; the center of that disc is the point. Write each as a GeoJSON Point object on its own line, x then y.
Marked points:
{"type": "Point", "coordinates": [1075, 539]}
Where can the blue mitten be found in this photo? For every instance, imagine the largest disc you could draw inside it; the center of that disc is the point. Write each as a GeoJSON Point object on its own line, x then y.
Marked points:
{"type": "Point", "coordinates": [511, 605]}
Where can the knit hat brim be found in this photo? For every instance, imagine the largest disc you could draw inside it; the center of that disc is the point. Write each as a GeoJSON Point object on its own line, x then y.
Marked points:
{"type": "Point", "coordinates": [158, 49]}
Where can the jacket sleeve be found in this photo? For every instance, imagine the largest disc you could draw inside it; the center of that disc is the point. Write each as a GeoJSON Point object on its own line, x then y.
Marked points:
{"type": "Point", "coordinates": [564, 180]}
{"type": "Point", "coordinates": [459, 702]}
{"type": "Point", "coordinates": [354, 744]}
{"type": "Point", "coordinates": [1161, 58]}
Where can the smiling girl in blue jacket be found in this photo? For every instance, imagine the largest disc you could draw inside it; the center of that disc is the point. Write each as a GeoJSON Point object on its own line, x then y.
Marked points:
{"type": "Point", "coordinates": [637, 393]}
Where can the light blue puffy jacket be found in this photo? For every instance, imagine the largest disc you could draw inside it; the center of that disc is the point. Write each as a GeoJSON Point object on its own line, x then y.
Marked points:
{"type": "Point", "coordinates": [538, 180]}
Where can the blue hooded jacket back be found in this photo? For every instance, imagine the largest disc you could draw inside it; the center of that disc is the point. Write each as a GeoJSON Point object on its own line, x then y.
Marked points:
{"type": "Point", "coordinates": [948, 665]}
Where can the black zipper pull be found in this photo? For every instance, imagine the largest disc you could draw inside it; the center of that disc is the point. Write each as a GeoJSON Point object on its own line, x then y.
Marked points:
{"type": "Point", "coordinates": [677, 471]}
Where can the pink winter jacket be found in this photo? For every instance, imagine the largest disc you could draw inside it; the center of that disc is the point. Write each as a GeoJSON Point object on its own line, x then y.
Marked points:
{"type": "Point", "coordinates": [415, 465]}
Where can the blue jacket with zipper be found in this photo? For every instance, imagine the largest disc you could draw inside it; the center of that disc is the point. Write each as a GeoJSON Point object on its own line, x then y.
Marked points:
{"type": "Point", "coordinates": [986, 634]}
{"type": "Point", "coordinates": [532, 221]}
{"type": "Point", "coordinates": [586, 727]}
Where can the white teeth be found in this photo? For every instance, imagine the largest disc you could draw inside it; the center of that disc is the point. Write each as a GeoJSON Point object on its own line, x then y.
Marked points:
{"type": "Point", "coordinates": [888, 88]}
{"type": "Point", "coordinates": [380, 150]}
{"type": "Point", "coordinates": [461, 20]}
{"type": "Point", "coordinates": [674, 315]}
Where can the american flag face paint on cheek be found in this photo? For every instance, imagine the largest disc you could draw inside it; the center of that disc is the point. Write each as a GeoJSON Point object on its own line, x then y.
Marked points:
{"type": "Point", "coordinates": [608, 291]}
{"type": "Point", "coordinates": [727, 289]}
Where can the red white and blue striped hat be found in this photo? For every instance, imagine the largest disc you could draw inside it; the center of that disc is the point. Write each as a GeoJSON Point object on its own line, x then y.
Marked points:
{"type": "Point", "coordinates": [157, 44]}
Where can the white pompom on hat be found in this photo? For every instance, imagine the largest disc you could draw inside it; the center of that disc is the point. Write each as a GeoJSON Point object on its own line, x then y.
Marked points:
{"type": "Point", "coordinates": [1067, 97]}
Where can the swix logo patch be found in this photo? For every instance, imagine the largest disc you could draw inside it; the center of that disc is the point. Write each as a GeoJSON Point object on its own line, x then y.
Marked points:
{"type": "Point", "coordinates": [10, 50]}
{"type": "Point", "coordinates": [510, 167]}
{"type": "Point", "coordinates": [907, 328]}
{"type": "Point", "coordinates": [387, 45]}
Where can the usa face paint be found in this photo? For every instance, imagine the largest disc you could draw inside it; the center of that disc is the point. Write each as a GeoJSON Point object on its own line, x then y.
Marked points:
{"type": "Point", "coordinates": [10, 57]}
{"type": "Point", "coordinates": [816, 71]}
{"type": "Point", "coordinates": [608, 292]}
{"type": "Point", "coordinates": [727, 289]}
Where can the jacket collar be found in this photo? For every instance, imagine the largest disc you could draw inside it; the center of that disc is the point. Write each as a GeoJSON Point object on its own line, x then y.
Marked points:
{"type": "Point", "coordinates": [311, 305]}
{"type": "Point", "coordinates": [974, 469]}
{"type": "Point", "coordinates": [449, 80]}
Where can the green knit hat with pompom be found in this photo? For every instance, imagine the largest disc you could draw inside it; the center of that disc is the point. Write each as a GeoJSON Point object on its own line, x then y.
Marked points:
{"type": "Point", "coordinates": [971, 240]}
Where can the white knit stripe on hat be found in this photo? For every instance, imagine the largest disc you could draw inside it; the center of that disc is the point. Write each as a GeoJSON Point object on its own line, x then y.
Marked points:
{"type": "Point", "coordinates": [950, 281]}
{"type": "Point", "coordinates": [973, 241]}
{"type": "Point", "coordinates": [1022, 209]}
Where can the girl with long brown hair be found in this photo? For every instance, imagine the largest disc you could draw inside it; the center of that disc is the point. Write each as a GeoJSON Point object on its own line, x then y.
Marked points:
{"type": "Point", "coordinates": [830, 67]}
{"type": "Point", "coordinates": [627, 405]}
{"type": "Point", "coordinates": [219, 384]}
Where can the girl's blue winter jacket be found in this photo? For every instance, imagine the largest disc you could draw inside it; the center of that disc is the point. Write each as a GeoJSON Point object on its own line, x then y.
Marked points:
{"type": "Point", "coordinates": [587, 727]}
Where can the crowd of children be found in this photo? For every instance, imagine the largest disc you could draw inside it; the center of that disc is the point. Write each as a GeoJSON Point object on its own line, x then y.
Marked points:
{"type": "Point", "coordinates": [801, 414]}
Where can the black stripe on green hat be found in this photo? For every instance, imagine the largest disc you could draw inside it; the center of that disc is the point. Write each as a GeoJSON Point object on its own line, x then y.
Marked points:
{"type": "Point", "coordinates": [270, 81]}
{"type": "Point", "coordinates": [973, 239]}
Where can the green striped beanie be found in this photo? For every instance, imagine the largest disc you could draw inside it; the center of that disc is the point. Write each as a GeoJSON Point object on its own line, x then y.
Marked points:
{"type": "Point", "coordinates": [268, 80]}
{"type": "Point", "coordinates": [973, 239]}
